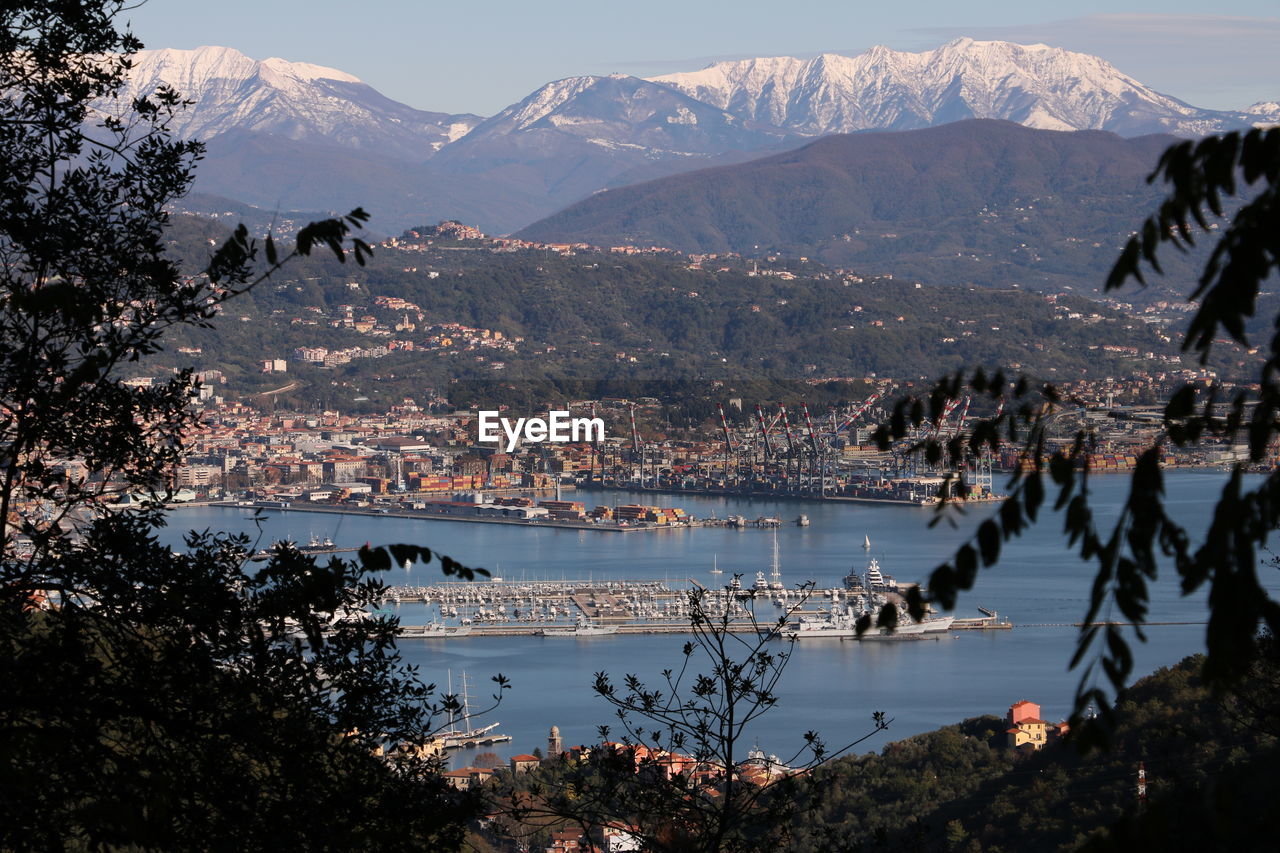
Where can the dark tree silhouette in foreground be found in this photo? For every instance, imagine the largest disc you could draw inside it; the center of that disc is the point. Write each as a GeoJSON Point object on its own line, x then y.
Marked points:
{"type": "Point", "coordinates": [677, 773]}
{"type": "Point", "coordinates": [1200, 175]}
{"type": "Point", "coordinates": [152, 699]}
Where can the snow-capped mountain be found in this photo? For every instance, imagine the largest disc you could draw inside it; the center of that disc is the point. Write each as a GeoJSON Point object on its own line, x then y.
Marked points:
{"type": "Point", "coordinates": [1264, 113]}
{"type": "Point", "coordinates": [1035, 85]}
{"type": "Point", "coordinates": [577, 136]}
{"type": "Point", "coordinates": [310, 103]}
{"type": "Point", "coordinates": [615, 113]}
{"type": "Point", "coordinates": [273, 125]}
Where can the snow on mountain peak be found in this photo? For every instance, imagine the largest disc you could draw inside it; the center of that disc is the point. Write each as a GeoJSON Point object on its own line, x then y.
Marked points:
{"type": "Point", "coordinates": [545, 100]}
{"type": "Point", "coordinates": [1036, 85]}
{"type": "Point", "coordinates": [190, 70]}
{"type": "Point", "coordinates": [307, 71]}
{"type": "Point", "coordinates": [233, 92]}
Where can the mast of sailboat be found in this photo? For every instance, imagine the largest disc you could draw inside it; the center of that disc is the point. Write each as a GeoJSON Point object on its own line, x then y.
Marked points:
{"type": "Point", "coordinates": [466, 710]}
{"type": "Point", "coordinates": [777, 566]}
{"type": "Point", "coordinates": [453, 720]}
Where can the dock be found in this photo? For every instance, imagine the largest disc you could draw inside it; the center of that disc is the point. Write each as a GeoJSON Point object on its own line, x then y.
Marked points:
{"type": "Point", "coordinates": [525, 608]}
{"type": "Point", "coordinates": [686, 523]}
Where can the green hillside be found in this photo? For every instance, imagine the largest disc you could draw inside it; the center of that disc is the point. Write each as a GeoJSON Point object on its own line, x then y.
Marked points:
{"type": "Point", "coordinates": [1209, 761]}
{"type": "Point", "coordinates": [980, 202]}
{"type": "Point", "coordinates": [600, 316]}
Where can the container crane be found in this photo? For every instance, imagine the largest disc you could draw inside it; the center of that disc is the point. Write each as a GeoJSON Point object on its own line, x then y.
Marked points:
{"type": "Point", "coordinates": [728, 440]}
{"type": "Point", "coordinates": [858, 412]}
{"type": "Point", "coordinates": [964, 416]}
{"type": "Point", "coordinates": [819, 464]}
{"type": "Point", "coordinates": [635, 436]}
{"type": "Point", "coordinates": [942, 419]}
{"type": "Point", "coordinates": [786, 425]}
{"type": "Point", "coordinates": [764, 433]}
{"type": "Point", "coordinates": [724, 425]}
{"type": "Point", "coordinates": [808, 422]}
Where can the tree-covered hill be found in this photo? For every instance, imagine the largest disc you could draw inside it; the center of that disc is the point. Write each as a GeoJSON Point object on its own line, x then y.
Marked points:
{"type": "Point", "coordinates": [1209, 762]}
{"type": "Point", "coordinates": [600, 315]}
{"type": "Point", "coordinates": [982, 202]}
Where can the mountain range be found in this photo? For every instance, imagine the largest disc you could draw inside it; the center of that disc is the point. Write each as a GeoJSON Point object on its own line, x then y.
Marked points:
{"type": "Point", "coordinates": [1035, 85]}
{"type": "Point", "coordinates": [286, 135]}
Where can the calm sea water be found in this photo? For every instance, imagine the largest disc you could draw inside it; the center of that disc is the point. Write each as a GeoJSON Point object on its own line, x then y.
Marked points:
{"type": "Point", "coordinates": [831, 687]}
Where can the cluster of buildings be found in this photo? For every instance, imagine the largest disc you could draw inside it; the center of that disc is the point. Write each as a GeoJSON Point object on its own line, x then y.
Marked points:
{"type": "Point", "coordinates": [334, 457]}
{"type": "Point", "coordinates": [424, 238]}
{"type": "Point", "coordinates": [399, 318]}
{"type": "Point", "coordinates": [330, 456]}
{"type": "Point", "coordinates": [757, 769]}
{"type": "Point", "coordinates": [406, 459]}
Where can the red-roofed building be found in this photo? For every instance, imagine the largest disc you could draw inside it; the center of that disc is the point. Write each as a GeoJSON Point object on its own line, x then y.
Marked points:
{"type": "Point", "coordinates": [565, 840]}
{"type": "Point", "coordinates": [1026, 728]}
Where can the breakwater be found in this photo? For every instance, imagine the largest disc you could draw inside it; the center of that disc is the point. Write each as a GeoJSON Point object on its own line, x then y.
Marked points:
{"type": "Point", "coordinates": [514, 608]}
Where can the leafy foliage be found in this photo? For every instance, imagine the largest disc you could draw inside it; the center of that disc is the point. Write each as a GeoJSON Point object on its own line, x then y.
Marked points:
{"type": "Point", "coordinates": [1209, 762]}
{"type": "Point", "coordinates": [676, 777]}
{"type": "Point", "coordinates": [162, 700]}
{"type": "Point", "coordinates": [86, 285]}
{"type": "Point", "coordinates": [183, 701]}
{"type": "Point", "coordinates": [1128, 554]}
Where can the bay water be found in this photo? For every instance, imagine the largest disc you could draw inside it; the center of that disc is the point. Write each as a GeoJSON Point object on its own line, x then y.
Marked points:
{"type": "Point", "coordinates": [830, 687]}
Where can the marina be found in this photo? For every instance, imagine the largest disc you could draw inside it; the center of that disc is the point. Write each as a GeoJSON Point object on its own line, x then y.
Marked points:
{"type": "Point", "coordinates": [830, 686]}
{"type": "Point", "coordinates": [585, 608]}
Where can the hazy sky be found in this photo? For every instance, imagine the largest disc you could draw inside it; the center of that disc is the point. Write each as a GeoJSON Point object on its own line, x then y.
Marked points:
{"type": "Point", "coordinates": [460, 56]}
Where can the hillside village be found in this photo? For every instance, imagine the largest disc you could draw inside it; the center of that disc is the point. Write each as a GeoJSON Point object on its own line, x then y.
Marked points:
{"type": "Point", "coordinates": [363, 321]}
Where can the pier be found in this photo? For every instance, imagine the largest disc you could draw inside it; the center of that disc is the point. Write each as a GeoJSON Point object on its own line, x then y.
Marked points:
{"type": "Point", "coordinates": [526, 608]}
{"type": "Point", "coordinates": [601, 526]}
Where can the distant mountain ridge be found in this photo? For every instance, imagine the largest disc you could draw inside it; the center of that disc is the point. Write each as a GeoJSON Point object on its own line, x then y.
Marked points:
{"type": "Point", "coordinates": [303, 102]}
{"type": "Point", "coordinates": [289, 135]}
{"type": "Point", "coordinates": [574, 137]}
{"type": "Point", "coordinates": [1035, 85]}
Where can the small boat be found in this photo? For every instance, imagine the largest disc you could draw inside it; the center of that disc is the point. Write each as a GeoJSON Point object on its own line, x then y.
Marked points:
{"type": "Point", "coordinates": [317, 545]}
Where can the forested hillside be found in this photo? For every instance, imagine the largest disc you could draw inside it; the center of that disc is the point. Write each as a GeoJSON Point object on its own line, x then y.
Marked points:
{"type": "Point", "coordinates": [1208, 761]}
{"type": "Point", "coordinates": [534, 314]}
{"type": "Point", "coordinates": [979, 202]}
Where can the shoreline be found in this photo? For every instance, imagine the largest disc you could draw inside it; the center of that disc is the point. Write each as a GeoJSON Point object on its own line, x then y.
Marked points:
{"type": "Point", "coordinates": [420, 515]}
